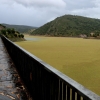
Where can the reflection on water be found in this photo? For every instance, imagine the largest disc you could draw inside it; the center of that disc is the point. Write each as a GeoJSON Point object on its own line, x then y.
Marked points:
{"type": "Point", "coordinates": [32, 39]}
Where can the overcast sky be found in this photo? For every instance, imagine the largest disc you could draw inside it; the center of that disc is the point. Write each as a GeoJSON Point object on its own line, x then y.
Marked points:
{"type": "Point", "coordinates": [39, 12]}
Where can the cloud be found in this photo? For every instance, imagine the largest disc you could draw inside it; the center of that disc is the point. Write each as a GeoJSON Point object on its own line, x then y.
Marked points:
{"type": "Point", "coordinates": [38, 12]}
{"type": "Point", "coordinates": [90, 12]}
{"type": "Point", "coordinates": [38, 3]}
{"type": "Point", "coordinates": [97, 3]}
{"type": "Point", "coordinates": [79, 4]}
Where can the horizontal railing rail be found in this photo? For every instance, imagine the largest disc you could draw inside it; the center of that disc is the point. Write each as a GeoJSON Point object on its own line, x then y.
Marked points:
{"type": "Point", "coordinates": [42, 80]}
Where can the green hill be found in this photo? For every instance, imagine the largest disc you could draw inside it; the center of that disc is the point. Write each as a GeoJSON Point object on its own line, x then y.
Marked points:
{"type": "Point", "coordinates": [20, 28]}
{"type": "Point", "coordinates": [30, 31]}
{"type": "Point", "coordinates": [69, 25]}
{"type": "Point", "coordinates": [11, 33]}
{"type": "Point", "coordinates": [2, 27]}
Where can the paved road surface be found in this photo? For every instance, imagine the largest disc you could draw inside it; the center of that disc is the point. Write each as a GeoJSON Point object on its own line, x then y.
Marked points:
{"type": "Point", "coordinates": [11, 87]}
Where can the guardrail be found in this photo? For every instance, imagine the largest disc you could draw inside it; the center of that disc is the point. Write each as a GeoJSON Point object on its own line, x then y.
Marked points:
{"type": "Point", "coordinates": [42, 80]}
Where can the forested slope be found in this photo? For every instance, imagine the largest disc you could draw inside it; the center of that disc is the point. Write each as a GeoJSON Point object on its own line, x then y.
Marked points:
{"type": "Point", "coordinates": [20, 28]}
{"type": "Point", "coordinates": [69, 25]}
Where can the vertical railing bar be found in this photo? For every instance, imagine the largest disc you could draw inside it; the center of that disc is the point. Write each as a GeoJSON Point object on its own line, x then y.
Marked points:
{"type": "Point", "coordinates": [64, 92]}
{"type": "Point", "coordinates": [68, 93]}
{"type": "Point", "coordinates": [60, 90]}
{"type": "Point", "coordinates": [73, 94]}
{"type": "Point", "coordinates": [78, 97]}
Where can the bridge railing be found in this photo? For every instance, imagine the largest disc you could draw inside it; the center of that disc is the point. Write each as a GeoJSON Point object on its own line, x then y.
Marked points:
{"type": "Point", "coordinates": [42, 80]}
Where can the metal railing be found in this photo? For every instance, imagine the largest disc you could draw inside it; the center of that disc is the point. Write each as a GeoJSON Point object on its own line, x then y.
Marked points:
{"type": "Point", "coordinates": [42, 80]}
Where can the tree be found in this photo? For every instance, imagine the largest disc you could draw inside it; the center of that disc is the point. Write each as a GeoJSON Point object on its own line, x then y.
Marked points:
{"type": "Point", "coordinates": [12, 31]}
{"type": "Point", "coordinates": [22, 36]}
{"type": "Point", "coordinates": [9, 30]}
{"type": "Point", "coordinates": [3, 32]}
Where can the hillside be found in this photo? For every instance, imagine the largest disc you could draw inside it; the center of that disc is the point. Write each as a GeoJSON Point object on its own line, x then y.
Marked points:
{"type": "Point", "coordinates": [20, 28]}
{"type": "Point", "coordinates": [69, 25]}
{"type": "Point", "coordinates": [2, 27]}
{"type": "Point", "coordinates": [11, 33]}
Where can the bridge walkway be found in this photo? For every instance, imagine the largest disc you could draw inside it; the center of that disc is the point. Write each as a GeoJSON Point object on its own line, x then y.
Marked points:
{"type": "Point", "coordinates": [11, 86]}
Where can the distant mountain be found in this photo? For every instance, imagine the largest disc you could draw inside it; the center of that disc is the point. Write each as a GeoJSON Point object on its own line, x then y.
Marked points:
{"type": "Point", "coordinates": [20, 28]}
{"type": "Point", "coordinates": [69, 25]}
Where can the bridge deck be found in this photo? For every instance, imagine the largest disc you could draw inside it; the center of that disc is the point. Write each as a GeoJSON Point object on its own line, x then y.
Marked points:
{"type": "Point", "coordinates": [11, 87]}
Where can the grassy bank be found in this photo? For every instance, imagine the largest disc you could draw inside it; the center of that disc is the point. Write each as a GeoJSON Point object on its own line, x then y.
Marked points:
{"type": "Point", "coordinates": [76, 57]}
